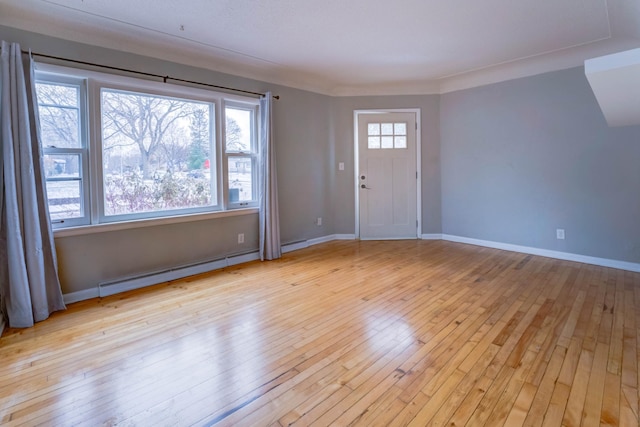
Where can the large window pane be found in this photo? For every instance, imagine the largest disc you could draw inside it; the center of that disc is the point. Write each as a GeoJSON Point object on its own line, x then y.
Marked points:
{"type": "Point", "coordinates": [240, 179]}
{"type": "Point", "coordinates": [157, 153]}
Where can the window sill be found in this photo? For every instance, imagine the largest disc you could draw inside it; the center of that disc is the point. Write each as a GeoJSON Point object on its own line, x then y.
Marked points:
{"type": "Point", "coordinates": [151, 222]}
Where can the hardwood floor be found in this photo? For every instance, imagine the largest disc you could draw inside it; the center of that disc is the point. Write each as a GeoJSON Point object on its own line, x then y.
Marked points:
{"type": "Point", "coordinates": [345, 333]}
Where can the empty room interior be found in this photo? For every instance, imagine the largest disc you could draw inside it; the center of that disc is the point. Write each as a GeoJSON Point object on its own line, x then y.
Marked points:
{"type": "Point", "coordinates": [287, 213]}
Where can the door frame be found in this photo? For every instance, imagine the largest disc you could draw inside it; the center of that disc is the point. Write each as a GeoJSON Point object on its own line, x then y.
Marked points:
{"type": "Point", "coordinates": [418, 154]}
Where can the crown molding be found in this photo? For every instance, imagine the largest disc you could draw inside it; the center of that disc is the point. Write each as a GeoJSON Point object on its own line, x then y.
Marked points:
{"type": "Point", "coordinates": [262, 71]}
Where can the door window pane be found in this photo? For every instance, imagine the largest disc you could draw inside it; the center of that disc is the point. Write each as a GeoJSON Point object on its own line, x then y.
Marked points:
{"type": "Point", "coordinates": [400, 128]}
{"type": "Point", "coordinates": [394, 135]}
{"type": "Point", "coordinates": [373, 128]}
{"type": "Point", "coordinates": [400, 142]}
{"type": "Point", "coordinates": [387, 128]}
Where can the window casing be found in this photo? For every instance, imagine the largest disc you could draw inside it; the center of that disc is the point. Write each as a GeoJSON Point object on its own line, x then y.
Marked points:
{"type": "Point", "coordinates": [147, 150]}
{"type": "Point", "coordinates": [241, 154]}
{"type": "Point", "coordinates": [62, 115]}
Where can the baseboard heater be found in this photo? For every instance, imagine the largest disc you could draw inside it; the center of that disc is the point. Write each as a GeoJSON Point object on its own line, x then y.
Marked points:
{"type": "Point", "coordinates": [169, 274]}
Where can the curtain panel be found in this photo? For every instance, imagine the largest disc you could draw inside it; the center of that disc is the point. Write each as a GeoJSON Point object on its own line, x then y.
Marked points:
{"type": "Point", "coordinates": [269, 217]}
{"type": "Point", "coordinates": [28, 267]}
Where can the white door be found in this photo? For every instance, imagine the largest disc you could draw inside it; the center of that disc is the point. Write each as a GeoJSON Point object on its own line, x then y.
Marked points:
{"type": "Point", "coordinates": [387, 175]}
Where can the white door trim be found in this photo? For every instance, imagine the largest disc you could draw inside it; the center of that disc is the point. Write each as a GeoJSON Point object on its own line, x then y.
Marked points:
{"type": "Point", "coordinates": [356, 115]}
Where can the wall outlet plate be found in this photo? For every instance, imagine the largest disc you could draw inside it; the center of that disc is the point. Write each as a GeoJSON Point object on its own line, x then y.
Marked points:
{"type": "Point", "coordinates": [560, 234]}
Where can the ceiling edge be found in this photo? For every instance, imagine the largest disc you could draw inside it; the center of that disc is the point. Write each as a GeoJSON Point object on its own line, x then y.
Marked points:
{"type": "Point", "coordinates": [560, 60]}
{"type": "Point", "coordinates": [278, 75]}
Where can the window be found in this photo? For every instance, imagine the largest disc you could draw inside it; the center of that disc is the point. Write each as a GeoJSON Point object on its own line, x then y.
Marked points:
{"type": "Point", "coordinates": [387, 135]}
{"type": "Point", "coordinates": [241, 154]}
{"type": "Point", "coordinates": [62, 114]}
{"type": "Point", "coordinates": [156, 154]}
{"type": "Point", "coordinates": [143, 149]}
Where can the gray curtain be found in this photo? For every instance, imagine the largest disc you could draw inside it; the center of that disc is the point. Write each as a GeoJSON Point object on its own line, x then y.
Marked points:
{"type": "Point", "coordinates": [28, 268]}
{"type": "Point", "coordinates": [269, 218]}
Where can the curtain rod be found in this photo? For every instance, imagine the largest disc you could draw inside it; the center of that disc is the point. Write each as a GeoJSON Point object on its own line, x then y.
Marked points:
{"type": "Point", "coordinates": [164, 78]}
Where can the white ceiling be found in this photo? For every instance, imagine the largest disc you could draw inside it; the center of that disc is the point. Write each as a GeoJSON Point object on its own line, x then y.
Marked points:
{"type": "Point", "coordinates": [348, 47]}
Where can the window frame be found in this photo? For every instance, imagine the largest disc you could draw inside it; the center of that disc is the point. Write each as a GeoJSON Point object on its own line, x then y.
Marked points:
{"type": "Point", "coordinates": [253, 153]}
{"type": "Point", "coordinates": [98, 87]}
{"type": "Point", "coordinates": [93, 174]}
{"type": "Point", "coordinates": [83, 152]}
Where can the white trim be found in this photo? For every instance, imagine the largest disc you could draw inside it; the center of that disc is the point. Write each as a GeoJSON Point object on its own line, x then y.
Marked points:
{"type": "Point", "coordinates": [290, 247]}
{"type": "Point", "coordinates": [418, 154]}
{"type": "Point", "coordinates": [602, 262]}
{"type": "Point", "coordinates": [82, 295]}
{"type": "Point", "coordinates": [345, 236]}
{"type": "Point", "coordinates": [369, 239]}
{"type": "Point", "coordinates": [330, 238]}
{"type": "Point", "coordinates": [319, 240]}
{"type": "Point", "coordinates": [434, 236]}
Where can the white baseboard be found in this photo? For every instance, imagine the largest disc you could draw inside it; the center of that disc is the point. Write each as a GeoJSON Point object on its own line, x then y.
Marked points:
{"type": "Point", "coordinates": [319, 240]}
{"type": "Point", "coordinates": [431, 237]}
{"type": "Point", "coordinates": [566, 256]}
{"type": "Point", "coordinates": [289, 247]}
{"type": "Point", "coordinates": [331, 238]}
{"type": "Point", "coordinates": [345, 237]}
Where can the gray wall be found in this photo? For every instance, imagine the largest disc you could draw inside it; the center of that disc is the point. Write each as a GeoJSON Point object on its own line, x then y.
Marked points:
{"type": "Point", "coordinates": [524, 157]}
{"type": "Point", "coordinates": [509, 162]}
{"type": "Point", "coordinates": [301, 130]}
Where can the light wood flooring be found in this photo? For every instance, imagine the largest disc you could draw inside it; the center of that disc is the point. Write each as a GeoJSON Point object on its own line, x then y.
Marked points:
{"type": "Point", "coordinates": [344, 333]}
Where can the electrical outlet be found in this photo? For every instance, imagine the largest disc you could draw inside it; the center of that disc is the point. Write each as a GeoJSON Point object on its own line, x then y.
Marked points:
{"type": "Point", "coordinates": [240, 238]}
{"type": "Point", "coordinates": [319, 221]}
{"type": "Point", "coordinates": [341, 166]}
{"type": "Point", "coordinates": [560, 234]}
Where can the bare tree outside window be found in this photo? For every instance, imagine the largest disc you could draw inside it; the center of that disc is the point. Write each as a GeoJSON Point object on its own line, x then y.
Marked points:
{"type": "Point", "coordinates": [154, 151]}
